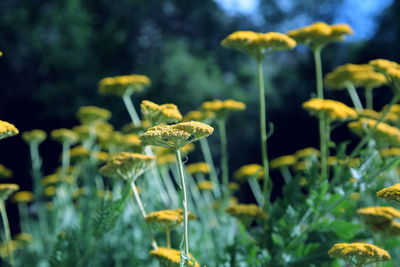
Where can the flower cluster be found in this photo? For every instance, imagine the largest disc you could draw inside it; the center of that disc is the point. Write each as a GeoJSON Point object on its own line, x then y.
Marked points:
{"type": "Point", "coordinates": [248, 171]}
{"type": "Point", "coordinates": [205, 185]}
{"type": "Point", "coordinates": [160, 114]}
{"type": "Point", "coordinates": [171, 257]}
{"type": "Point", "coordinates": [384, 133]}
{"type": "Point", "coordinates": [166, 220]}
{"type": "Point", "coordinates": [359, 253]}
{"type": "Point", "coordinates": [120, 85]}
{"type": "Point", "coordinates": [223, 108]}
{"type": "Point", "coordinates": [283, 161]}
{"type": "Point", "coordinates": [6, 190]}
{"type": "Point", "coordinates": [64, 136]}
{"type": "Point", "coordinates": [246, 212]}
{"type": "Point", "coordinates": [7, 129]}
{"type": "Point", "coordinates": [35, 136]}
{"type": "Point", "coordinates": [92, 114]}
{"type": "Point", "coordinates": [199, 167]}
{"type": "Point", "coordinates": [390, 193]}
{"type": "Point", "coordinates": [334, 110]}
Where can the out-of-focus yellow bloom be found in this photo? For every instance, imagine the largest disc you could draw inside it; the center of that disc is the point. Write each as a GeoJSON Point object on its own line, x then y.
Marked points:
{"type": "Point", "coordinates": [302, 166]}
{"type": "Point", "coordinates": [233, 186]}
{"type": "Point", "coordinates": [166, 220]}
{"type": "Point", "coordinates": [171, 257]}
{"type": "Point", "coordinates": [359, 253]}
{"type": "Point", "coordinates": [119, 85]}
{"type": "Point", "coordinates": [12, 245]}
{"type": "Point", "coordinates": [81, 191]}
{"type": "Point", "coordinates": [64, 136]}
{"type": "Point", "coordinates": [334, 110]}
{"type": "Point", "coordinates": [5, 172]}
{"type": "Point", "coordinates": [355, 196]}
{"type": "Point", "coordinates": [199, 167]}
{"type": "Point", "coordinates": [91, 114]}
{"type": "Point", "coordinates": [167, 155]}
{"type": "Point", "coordinates": [23, 196]}
{"type": "Point", "coordinates": [6, 190]}
{"type": "Point", "coordinates": [50, 191]}
{"type": "Point", "coordinates": [138, 128]}
{"type": "Point", "coordinates": [283, 161]}
{"type": "Point", "coordinates": [205, 185]}
{"type": "Point", "coordinates": [257, 44]}
{"type": "Point", "coordinates": [390, 193]}
{"type": "Point", "coordinates": [7, 129]}
{"type": "Point", "coordinates": [177, 135]}
{"type": "Point", "coordinates": [248, 171]}
{"type": "Point", "coordinates": [378, 215]}
{"type": "Point", "coordinates": [200, 115]}
{"type": "Point", "coordinates": [246, 212]}
{"type": "Point", "coordinates": [306, 152]}
{"type": "Point", "coordinates": [107, 194]}
{"type": "Point", "coordinates": [56, 178]}
{"type": "Point", "coordinates": [383, 65]}
{"type": "Point", "coordinates": [333, 160]}
{"type": "Point", "coordinates": [319, 34]}
{"type": "Point", "coordinates": [79, 153]}
{"type": "Point", "coordinates": [384, 133]}
{"type": "Point", "coordinates": [126, 165]}
{"type": "Point", "coordinates": [372, 114]}
{"type": "Point", "coordinates": [1, 53]}
{"type": "Point", "coordinates": [160, 114]}
{"type": "Point", "coordinates": [36, 136]}
{"type": "Point", "coordinates": [23, 237]}
{"type": "Point", "coordinates": [390, 152]}
{"type": "Point", "coordinates": [223, 108]}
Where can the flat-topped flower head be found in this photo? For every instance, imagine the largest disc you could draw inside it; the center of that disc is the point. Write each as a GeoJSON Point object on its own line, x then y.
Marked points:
{"type": "Point", "coordinates": [79, 153]}
{"type": "Point", "coordinates": [57, 178]}
{"type": "Point", "coordinates": [166, 220]}
{"type": "Point", "coordinates": [7, 129]}
{"type": "Point", "coordinates": [334, 110]}
{"type": "Point", "coordinates": [384, 133]}
{"type": "Point", "coordinates": [23, 196]}
{"type": "Point", "coordinates": [283, 161]}
{"type": "Point", "coordinates": [204, 116]}
{"type": "Point", "coordinates": [128, 166]}
{"type": "Point", "coordinates": [248, 171]}
{"type": "Point", "coordinates": [390, 193]}
{"type": "Point", "coordinates": [307, 152]}
{"type": "Point", "coordinates": [223, 108]}
{"type": "Point", "coordinates": [5, 172]}
{"type": "Point", "coordinates": [383, 65]}
{"type": "Point", "coordinates": [319, 34]}
{"type": "Point", "coordinates": [91, 114]}
{"type": "Point", "coordinates": [64, 136]}
{"type": "Point", "coordinates": [390, 152]}
{"type": "Point", "coordinates": [199, 167]}
{"type": "Point", "coordinates": [160, 114]}
{"type": "Point", "coordinates": [171, 257]}
{"type": "Point", "coordinates": [246, 213]}
{"type": "Point", "coordinates": [205, 185]}
{"type": "Point", "coordinates": [372, 114]}
{"type": "Point", "coordinates": [257, 44]}
{"type": "Point", "coordinates": [120, 85]}
{"type": "Point", "coordinates": [359, 253]}
{"type": "Point", "coordinates": [35, 136]}
{"type": "Point", "coordinates": [6, 190]}
{"type": "Point", "coordinates": [378, 215]}
{"type": "Point", "coordinates": [177, 135]}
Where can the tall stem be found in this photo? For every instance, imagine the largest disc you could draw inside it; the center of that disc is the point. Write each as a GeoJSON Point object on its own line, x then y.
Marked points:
{"type": "Point", "coordinates": [65, 157]}
{"type": "Point", "coordinates": [224, 155]}
{"type": "Point", "coordinates": [185, 208]}
{"type": "Point", "coordinates": [7, 231]}
{"type": "Point", "coordinates": [205, 147]}
{"type": "Point", "coordinates": [168, 238]}
{"type": "Point", "coordinates": [369, 98]}
{"type": "Point", "coordinates": [143, 212]}
{"type": "Point", "coordinates": [354, 96]}
{"type": "Point", "coordinates": [129, 106]}
{"type": "Point", "coordinates": [322, 120]}
{"type": "Point", "coordinates": [267, 188]}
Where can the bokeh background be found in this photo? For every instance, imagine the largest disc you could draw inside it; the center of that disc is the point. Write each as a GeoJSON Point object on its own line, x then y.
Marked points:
{"type": "Point", "coordinates": [55, 52]}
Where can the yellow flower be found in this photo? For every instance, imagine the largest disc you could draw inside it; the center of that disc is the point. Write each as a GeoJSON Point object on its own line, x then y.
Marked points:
{"type": "Point", "coordinates": [283, 161]}
{"type": "Point", "coordinates": [166, 220]}
{"type": "Point", "coordinates": [23, 196]}
{"type": "Point", "coordinates": [119, 85]}
{"type": "Point", "coordinates": [359, 253]}
{"type": "Point", "coordinates": [35, 136]}
{"type": "Point", "coordinates": [247, 171]}
{"type": "Point", "coordinates": [50, 191]}
{"type": "Point", "coordinates": [177, 135]}
{"type": "Point", "coordinates": [5, 172]}
{"type": "Point", "coordinates": [127, 166]}
{"type": "Point", "coordinates": [57, 177]}
{"type": "Point", "coordinates": [200, 115]}
{"type": "Point", "coordinates": [334, 110]}
{"type": "Point", "coordinates": [223, 108]}
{"type": "Point", "coordinates": [24, 237]}
{"type": "Point", "coordinates": [384, 133]}
{"type": "Point", "coordinates": [160, 114]}
{"type": "Point", "coordinates": [64, 136]}
{"type": "Point", "coordinates": [79, 153]}
{"type": "Point", "coordinates": [81, 191]}
{"type": "Point", "coordinates": [390, 152]}
{"type": "Point", "coordinates": [302, 165]}
{"type": "Point", "coordinates": [372, 114]}
{"type": "Point", "coordinates": [7, 129]}
{"type": "Point", "coordinates": [378, 215]}
{"type": "Point", "coordinates": [205, 185]}
{"type": "Point", "coordinates": [383, 65]}
{"type": "Point", "coordinates": [257, 44]}
{"type": "Point", "coordinates": [319, 34]}
{"type": "Point", "coordinates": [6, 190]}
{"type": "Point", "coordinates": [199, 167]}
{"type": "Point", "coordinates": [171, 257]}
{"type": "Point", "coordinates": [233, 186]}
{"type": "Point", "coordinates": [246, 212]}
{"type": "Point", "coordinates": [91, 114]}
{"type": "Point", "coordinates": [307, 152]}
{"type": "Point", "coordinates": [390, 193]}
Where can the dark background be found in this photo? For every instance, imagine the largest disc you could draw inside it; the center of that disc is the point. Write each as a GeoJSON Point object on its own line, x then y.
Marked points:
{"type": "Point", "coordinates": [55, 52]}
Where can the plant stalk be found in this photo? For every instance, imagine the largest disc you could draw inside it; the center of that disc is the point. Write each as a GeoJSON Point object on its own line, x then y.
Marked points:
{"type": "Point", "coordinates": [129, 106]}
{"type": "Point", "coordinates": [369, 98]}
{"type": "Point", "coordinates": [7, 234]}
{"type": "Point", "coordinates": [224, 155]}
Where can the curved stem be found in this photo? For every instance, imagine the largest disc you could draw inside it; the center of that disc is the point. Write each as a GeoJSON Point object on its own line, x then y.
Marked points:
{"type": "Point", "coordinates": [185, 208]}
{"type": "Point", "coordinates": [224, 155]}
{"type": "Point", "coordinates": [6, 226]}
{"type": "Point", "coordinates": [369, 98]}
{"type": "Point", "coordinates": [354, 96]}
{"type": "Point", "coordinates": [129, 106]}
{"type": "Point", "coordinates": [267, 188]}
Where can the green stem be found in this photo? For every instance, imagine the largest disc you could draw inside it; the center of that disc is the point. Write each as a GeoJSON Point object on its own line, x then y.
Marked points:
{"type": "Point", "coordinates": [168, 238]}
{"type": "Point", "coordinates": [36, 168]}
{"type": "Point", "coordinates": [255, 188]}
{"type": "Point", "coordinates": [205, 147]}
{"type": "Point", "coordinates": [224, 155]}
{"type": "Point", "coordinates": [318, 73]}
{"type": "Point", "coordinates": [354, 96]}
{"type": "Point", "coordinates": [129, 106]}
{"type": "Point", "coordinates": [7, 231]}
{"type": "Point", "coordinates": [143, 212]}
{"type": "Point", "coordinates": [185, 208]}
{"type": "Point", "coordinates": [65, 158]}
{"type": "Point", "coordinates": [369, 99]}
{"type": "Point", "coordinates": [267, 188]}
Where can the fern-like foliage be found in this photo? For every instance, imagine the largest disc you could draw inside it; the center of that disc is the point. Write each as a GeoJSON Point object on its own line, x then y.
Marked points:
{"type": "Point", "coordinates": [66, 250]}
